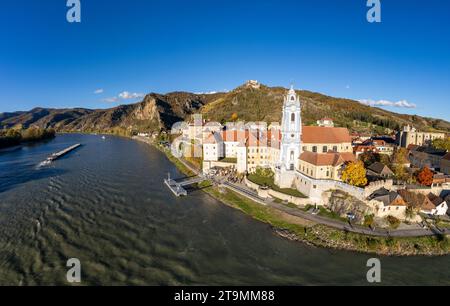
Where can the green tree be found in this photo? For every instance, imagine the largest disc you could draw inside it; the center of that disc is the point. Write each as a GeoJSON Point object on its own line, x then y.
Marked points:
{"type": "Point", "coordinates": [369, 158]}
{"type": "Point", "coordinates": [400, 156]}
{"type": "Point", "coordinates": [410, 212]}
{"type": "Point", "coordinates": [393, 222]}
{"type": "Point", "coordinates": [264, 172]}
{"type": "Point", "coordinates": [443, 144]}
{"type": "Point", "coordinates": [369, 220]}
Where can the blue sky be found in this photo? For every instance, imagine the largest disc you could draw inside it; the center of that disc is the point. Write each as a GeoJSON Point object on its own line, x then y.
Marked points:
{"type": "Point", "coordinates": [139, 46]}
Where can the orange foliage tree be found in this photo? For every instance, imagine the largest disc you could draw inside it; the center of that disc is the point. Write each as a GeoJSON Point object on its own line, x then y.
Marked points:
{"type": "Point", "coordinates": [425, 176]}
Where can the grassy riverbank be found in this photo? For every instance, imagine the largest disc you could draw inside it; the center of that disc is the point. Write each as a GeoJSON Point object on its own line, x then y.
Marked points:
{"type": "Point", "coordinates": [299, 229]}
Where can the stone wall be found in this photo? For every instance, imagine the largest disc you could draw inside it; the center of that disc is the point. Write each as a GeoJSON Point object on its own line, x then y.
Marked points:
{"type": "Point", "coordinates": [373, 186]}
{"type": "Point", "coordinates": [266, 193]}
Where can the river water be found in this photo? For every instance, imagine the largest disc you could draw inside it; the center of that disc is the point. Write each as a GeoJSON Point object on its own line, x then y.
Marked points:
{"type": "Point", "coordinates": [106, 205]}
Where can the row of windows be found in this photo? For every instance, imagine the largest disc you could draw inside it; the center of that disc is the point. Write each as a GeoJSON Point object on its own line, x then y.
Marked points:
{"type": "Point", "coordinates": [310, 172]}
{"type": "Point", "coordinates": [262, 150]}
{"type": "Point", "coordinates": [260, 157]}
{"type": "Point", "coordinates": [324, 149]}
{"type": "Point", "coordinates": [389, 208]}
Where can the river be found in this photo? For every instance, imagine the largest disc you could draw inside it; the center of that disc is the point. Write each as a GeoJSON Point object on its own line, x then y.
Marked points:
{"type": "Point", "coordinates": [105, 204]}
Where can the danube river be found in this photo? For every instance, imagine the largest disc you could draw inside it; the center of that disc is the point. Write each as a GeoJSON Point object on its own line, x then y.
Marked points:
{"type": "Point", "coordinates": [105, 204]}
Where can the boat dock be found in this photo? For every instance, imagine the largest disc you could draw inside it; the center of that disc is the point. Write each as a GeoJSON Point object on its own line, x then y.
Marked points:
{"type": "Point", "coordinates": [177, 187]}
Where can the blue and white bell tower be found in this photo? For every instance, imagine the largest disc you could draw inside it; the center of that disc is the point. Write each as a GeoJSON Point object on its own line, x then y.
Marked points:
{"type": "Point", "coordinates": [291, 131]}
{"type": "Point", "coordinates": [291, 135]}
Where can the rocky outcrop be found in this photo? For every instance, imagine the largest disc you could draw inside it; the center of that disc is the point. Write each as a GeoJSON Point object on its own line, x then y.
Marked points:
{"type": "Point", "coordinates": [342, 203]}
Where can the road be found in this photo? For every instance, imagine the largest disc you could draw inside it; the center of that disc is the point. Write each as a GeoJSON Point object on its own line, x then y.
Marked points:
{"type": "Point", "coordinates": [243, 190]}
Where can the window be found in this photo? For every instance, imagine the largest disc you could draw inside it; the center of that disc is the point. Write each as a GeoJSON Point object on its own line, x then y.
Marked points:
{"type": "Point", "coordinates": [335, 148]}
{"type": "Point", "coordinates": [292, 117]}
{"type": "Point", "coordinates": [314, 149]}
{"type": "Point", "coordinates": [305, 148]}
{"type": "Point", "coordinates": [292, 155]}
{"type": "Point", "coordinates": [328, 173]}
{"type": "Point", "coordinates": [325, 149]}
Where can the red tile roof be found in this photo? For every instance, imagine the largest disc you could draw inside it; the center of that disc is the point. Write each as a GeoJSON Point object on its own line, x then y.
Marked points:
{"type": "Point", "coordinates": [327, 159]}
{"type": "Point", "coordinates": [322, 134]}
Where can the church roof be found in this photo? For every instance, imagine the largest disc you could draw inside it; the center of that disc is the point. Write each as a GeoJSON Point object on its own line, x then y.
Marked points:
{"type": "Point", "coordinates": [322, 134]}
{"type": "Point", "coordinates": [327, 159]}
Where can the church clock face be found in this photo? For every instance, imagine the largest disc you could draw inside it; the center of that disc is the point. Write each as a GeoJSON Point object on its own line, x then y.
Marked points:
{"type": "Point", "coordinates": [293, 108]}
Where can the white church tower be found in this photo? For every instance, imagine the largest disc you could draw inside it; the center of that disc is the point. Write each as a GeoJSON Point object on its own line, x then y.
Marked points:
{"type": "Point", "coordinates": [291, 133]}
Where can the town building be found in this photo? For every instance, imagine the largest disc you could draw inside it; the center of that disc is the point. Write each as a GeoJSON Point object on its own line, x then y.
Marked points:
{"type": "Point", "coordinates": [378, 169]}
{"type": "Point", "coordinates": [409, 135]}
{"type": "Point", "coordinates": [441, 207]}
{"type": "Point", "coordinates": [430, 205]}
{"type": "Point", "coordinates": [307, 158]}
{"type": "Point", "coordinates": [445, 164]}
{"type": "Point", "coordinates": [361, 149]}
{"type": "Point", "coordinates": [327, 122]}
{"type": "Point", "coordinates": [388, 203]}
{"type": "Point", "coordinates": [426, 156]}
{"type": "Point", "coordinates": [377, 146]}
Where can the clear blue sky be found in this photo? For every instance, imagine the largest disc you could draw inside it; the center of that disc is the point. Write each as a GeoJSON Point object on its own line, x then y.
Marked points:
{"type": "Point", "coordinates": [194, 45]}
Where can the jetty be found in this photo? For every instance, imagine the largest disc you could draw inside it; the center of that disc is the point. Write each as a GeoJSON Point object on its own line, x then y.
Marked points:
{"type": "Point", "coordinates": [177, 188]}
{"type": "Point", "coordinates": [60, 154]}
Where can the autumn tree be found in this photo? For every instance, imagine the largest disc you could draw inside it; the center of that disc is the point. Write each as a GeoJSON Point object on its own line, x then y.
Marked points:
{"type": "Point", "coordinates": [402, 174]}
{"type": "Point", "coordinates": [425, 176]}
{"type": "Point", "coordinates": [355, 174]}
{"type": "Point", "coordinates": [234, 117]}
{"type": "Point", "coordinates": [400, 156]}
{"type": "Point", "coordinates": [384, 159]}
{"type": "Point", "coordinates": [442, 143]}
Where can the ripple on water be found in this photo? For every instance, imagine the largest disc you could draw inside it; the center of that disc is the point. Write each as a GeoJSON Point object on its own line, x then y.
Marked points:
{"type": "Point", "coordinates": [107, 206]}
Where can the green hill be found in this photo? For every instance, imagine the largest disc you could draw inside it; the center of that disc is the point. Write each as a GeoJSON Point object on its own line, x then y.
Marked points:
{"type": "Point", "coordinates": [158, 112]}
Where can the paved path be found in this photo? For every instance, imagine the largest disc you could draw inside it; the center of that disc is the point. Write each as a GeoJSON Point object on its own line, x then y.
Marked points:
{"type": "Point", "coordinates": [241, 189]}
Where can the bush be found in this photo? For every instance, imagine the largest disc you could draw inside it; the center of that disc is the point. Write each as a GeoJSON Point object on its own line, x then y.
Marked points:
{"type": "Point", "coordinates": [368, 220]}
{"type": "Point", "coordinates": [264, 172]}
{"type": "Point", "coordinates": [393, 222]}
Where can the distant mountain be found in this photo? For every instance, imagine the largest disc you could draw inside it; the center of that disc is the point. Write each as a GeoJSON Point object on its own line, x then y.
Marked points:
{"type": "Point", "coordinates": [248, 102]}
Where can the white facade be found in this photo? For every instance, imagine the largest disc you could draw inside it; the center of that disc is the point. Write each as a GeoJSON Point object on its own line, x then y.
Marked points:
{"type": "Point", "coordinates": [241, 153]}
{"type": "Point", "coordinates": [291, 132]}
{"type": "Point", "coordinates": [213, 148]}
{"type": "Point", "coordinates": [231, 148]}
{"type": "Point", "coordinates": [440, 210]}
{"type": "Point", "coordinates": [328, 122]}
